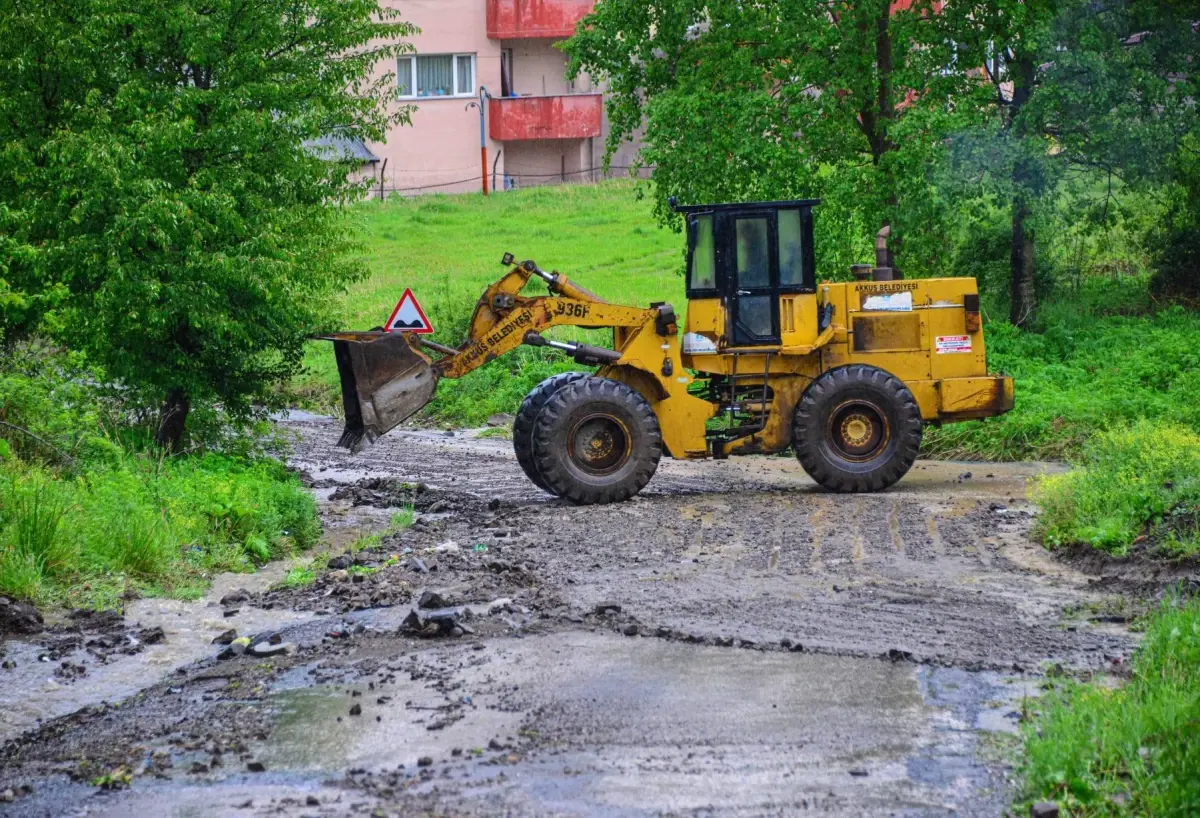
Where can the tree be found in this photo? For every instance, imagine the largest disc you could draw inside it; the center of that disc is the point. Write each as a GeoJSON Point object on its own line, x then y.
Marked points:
{"type": "Point", "coordinates": [158, 205]}
{"type": "Point", "coordinates": [848, 100]}
{"type": "Point", "coordinates": [1123, 101]}
{"type": "Point", "coordinates": [1104, 88]}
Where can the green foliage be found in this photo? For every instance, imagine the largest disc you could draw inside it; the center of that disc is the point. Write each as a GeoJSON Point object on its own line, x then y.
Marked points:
{"type": "Point", "coordinates": [303, 574]}
{"type": "Point", "coordinates": [154, 525]}
{"type": "Point", "coordinates": [1132, 483]}
{"type": "Point", "coordinates": [1132, 750]}
{"type": "Point", "coordinates": [32, 509]}
{"type": "Point", "coordinates": [89, 510]}
{"type": "Point", "coordinates": [1178, 264]}
{"type": "Point", "coordinates": [402, 520]}
{"type": "Point", "coordinates": [845, 101]}
{"type": "Point", "coordinates": [158, 208]}
{"type": "Point", "coordinates": [1099, 363]}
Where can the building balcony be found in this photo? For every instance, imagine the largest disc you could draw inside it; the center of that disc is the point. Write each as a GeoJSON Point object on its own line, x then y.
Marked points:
{"type": "Point", "coordinates": [570, 116]}
{"type": "Point", "coordinates": [525, 19]}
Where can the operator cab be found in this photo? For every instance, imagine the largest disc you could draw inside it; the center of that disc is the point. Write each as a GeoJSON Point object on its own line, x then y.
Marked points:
{"type": "Point", "coordinates": [749, 255]}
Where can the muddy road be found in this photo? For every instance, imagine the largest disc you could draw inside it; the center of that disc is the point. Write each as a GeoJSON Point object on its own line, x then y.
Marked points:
{"type": "Point", "coordinates": [731, 642]}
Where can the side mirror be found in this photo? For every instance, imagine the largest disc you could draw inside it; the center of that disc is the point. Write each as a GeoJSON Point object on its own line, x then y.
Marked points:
{"type": "Point", "coordinates": [507, 259]}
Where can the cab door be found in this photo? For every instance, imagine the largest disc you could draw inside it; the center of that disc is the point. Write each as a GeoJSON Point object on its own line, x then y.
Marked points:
{"type": "Point", "coordinates": [752, 288]}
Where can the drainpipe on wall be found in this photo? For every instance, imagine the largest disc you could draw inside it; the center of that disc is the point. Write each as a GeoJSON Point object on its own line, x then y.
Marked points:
{"type": "Point", "coordinates": [483, 94]}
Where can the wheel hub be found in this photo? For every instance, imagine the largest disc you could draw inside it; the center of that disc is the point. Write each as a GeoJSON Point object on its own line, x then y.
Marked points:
{"type": "Point", "coordinates": [858, 430]}
{"type": "Point", "coordinates": [599, 444]}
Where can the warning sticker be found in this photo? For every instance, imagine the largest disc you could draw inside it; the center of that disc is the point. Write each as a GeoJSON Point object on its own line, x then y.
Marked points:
{"type": "Point", "coordinates": [408, 316]}
{"type": "Point", "coordinates": [952, 343]}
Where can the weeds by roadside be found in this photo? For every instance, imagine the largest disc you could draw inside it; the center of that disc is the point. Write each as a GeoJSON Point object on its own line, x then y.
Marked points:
{"type": "Point", "coordinates": [1139, 485]}
{"type": "Point", "coordinates": [1132, 750]}
{"type": "Point", "coordinates": [305, 571]}
{"type": "Point", "coordinates": [89, 512]}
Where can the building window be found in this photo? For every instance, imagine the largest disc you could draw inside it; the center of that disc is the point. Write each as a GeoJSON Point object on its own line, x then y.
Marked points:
{"type": "Point", "coordinates": [436, 75]}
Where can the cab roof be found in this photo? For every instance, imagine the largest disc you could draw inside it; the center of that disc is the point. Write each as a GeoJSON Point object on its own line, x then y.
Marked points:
{"type": "Point", "coordinates": [708, 208]}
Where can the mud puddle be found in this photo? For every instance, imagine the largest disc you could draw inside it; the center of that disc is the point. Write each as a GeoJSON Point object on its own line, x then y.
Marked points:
{"type": "Point", "coordinates": [43, 683]}
{"type": "Point", "coordinates": [595, 724]}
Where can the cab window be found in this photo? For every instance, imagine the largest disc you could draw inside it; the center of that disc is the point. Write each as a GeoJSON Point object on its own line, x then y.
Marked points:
{"type": "Point", "coordinates": [702, 262]}
{"type": "Point", "coordinates": [791, 249]}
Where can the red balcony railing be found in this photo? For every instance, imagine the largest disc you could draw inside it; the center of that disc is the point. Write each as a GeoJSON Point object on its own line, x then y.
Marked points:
{"type": "Point", "coordinates": [571, 116]}
{"type": "Point", "coordinates": [521, 19]}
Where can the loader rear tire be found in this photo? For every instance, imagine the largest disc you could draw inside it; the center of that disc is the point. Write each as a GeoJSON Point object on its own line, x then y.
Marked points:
{"type": "Point", "coordinates": [596, 441]}
{"type": "Point", "coordinates": [857, 428]}
{"type": "Point", "coordinates": [527, 415]}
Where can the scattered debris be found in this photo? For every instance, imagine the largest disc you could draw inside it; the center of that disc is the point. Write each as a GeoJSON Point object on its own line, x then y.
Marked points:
{"type": "Point", "coordinates": [151, 636]}
{"type": "Point", "coordinates": [264, 650]}
{"type": "Point", "coordinates": [434, 599]}
{"type": "Point", "coordinates": [235, 648]}
{"type": "Point", "coordinates": [235, 598]}
{"type": "Point", "coordinates": [19, 617]}
{"type": "Point", "coordinates": [436, 623]}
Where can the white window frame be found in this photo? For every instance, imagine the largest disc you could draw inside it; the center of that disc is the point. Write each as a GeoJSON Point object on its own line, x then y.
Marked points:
{"type": "Point", "coordinates": [412, 79]}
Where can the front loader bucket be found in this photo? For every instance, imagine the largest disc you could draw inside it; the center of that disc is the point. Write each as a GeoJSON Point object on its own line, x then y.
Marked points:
{"type": "Point", "coordinates": [385, 380]}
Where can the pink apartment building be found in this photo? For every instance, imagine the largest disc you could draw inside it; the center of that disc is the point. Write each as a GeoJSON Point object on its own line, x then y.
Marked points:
{"type": "Point", "coordinates": [539, 129]}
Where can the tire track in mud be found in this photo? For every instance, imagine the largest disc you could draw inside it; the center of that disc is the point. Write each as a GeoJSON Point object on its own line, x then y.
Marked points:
{"type": "Point", "coordinates": [754, 552]}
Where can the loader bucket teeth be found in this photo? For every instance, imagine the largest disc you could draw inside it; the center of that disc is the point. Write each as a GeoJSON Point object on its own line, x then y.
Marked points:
{"type": "Point", "coordinates": [385, 380]}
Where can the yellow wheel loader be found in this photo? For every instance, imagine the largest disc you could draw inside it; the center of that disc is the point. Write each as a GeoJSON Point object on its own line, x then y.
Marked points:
{"type": "Point", "coordinates": [846, 374]}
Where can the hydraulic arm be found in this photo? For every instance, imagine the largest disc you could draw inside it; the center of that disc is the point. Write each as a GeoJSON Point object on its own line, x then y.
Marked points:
{"type": "Point", "coordinates": [388, 376]}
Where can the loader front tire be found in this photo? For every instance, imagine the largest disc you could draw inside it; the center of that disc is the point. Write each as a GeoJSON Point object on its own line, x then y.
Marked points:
{"type": "Point", "coordinates": [596, 441]}
{"type": "Point", "coordinates": [527, 415]}
{"type": "Point", "coordinates": [857, 428]}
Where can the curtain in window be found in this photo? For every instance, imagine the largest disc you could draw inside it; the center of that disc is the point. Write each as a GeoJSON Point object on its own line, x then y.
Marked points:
{"type": "Point", "coordinates": [466, 80]}
{"type": "Point", "coordinates": [435, 76]}
{"type": "Point", "coordinates": [404, 77]}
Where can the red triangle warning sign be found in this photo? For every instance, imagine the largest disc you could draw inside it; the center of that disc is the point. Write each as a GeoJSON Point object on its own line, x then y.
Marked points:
{"type": "Point", "coordinates": [408, 316]}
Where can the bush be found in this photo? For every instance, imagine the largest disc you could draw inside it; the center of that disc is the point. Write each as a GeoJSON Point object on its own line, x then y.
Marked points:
{"type": "Point", "coordinates": [1132, 750]}
{"type": "Point", "coordinates": [1133, 483]}
{"type": "Point", "coordinates": [1178, 269]}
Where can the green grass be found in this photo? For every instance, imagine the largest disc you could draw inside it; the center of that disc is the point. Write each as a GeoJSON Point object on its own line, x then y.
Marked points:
{"type": "Point", "coordinates": [448, 249]}
{"type": "Point", "coordinates": [1103, 359]}
{"type": "Point", "coordinates": [155, 526]}
{"type": "Point", "coordinates": [89, 511]}
{"type": "Point", "coordinates": [1132, 750]}
{"type": "Point", "coordinates": [1140, 484]}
